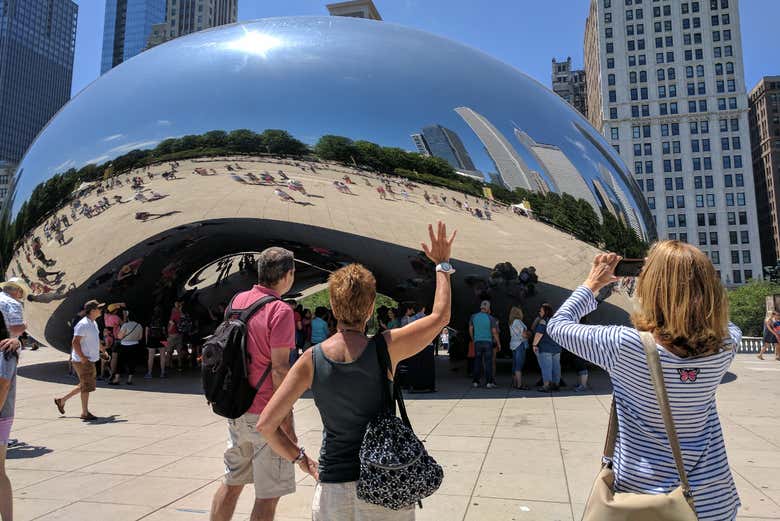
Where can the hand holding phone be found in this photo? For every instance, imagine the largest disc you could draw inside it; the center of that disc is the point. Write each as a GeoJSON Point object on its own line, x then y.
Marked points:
{"type": "Point", "coordinates": [629, 267]}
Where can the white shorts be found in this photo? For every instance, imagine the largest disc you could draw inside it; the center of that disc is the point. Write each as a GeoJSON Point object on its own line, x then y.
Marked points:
{"type": "Point", "coordinates": [250, 460]}
{"type": "Point", "coordinates": [339, 501]}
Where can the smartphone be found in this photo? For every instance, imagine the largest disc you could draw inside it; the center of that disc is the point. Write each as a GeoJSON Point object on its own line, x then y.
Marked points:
{"type": "Point", "coordinates": [629, 267]}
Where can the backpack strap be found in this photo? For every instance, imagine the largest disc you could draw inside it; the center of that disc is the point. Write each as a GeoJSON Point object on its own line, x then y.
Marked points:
{"type": "Point", "coordinates": [244, 316]}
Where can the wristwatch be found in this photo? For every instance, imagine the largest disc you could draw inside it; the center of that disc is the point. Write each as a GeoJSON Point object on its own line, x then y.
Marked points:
{"type": "Point", "coordinates": [301, 455]}
{"type": "Point", "coordinates": [445, 267]}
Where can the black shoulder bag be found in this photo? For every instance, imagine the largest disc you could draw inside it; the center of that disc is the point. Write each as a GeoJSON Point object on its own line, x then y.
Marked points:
{"type": "Point", "coordinates": [395, 469]}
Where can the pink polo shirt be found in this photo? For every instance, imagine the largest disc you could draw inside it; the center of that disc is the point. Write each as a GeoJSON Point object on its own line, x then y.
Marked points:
{"type": "Point", "coordinates": [273, 327]}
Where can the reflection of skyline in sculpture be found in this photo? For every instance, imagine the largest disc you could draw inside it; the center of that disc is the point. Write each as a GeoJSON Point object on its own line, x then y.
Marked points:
{"type": "Point", "coordinates": [511, 167]}
{"type": "Point", "coordinates": [420, 145]}
{"type": "Point", "coordinates": [444, 143]}
{"type": "Point", "coordinates": [116, 184]}
{"type": "Point", "coordinates": [628, 212]}
{"type": "Point", "coordinates": [559, 169]}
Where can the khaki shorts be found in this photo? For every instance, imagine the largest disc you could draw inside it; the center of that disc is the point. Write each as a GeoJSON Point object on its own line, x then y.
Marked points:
{"type": "Point", "coordinates": [339, 501]}
{"type": "Point", "coordinates": [87, 375]}
{"type": "Point", "coordinates": [249, 459]}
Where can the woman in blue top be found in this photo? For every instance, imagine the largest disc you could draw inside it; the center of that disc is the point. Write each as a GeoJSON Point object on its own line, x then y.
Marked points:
{"type": "Point", "coordinates": [681, 301]}
{"type": "Point", "coordinates": [548, 352]}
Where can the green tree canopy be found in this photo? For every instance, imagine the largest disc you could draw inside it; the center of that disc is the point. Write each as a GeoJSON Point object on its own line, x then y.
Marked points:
{"type": "Point", "coordinates": [747, 305]}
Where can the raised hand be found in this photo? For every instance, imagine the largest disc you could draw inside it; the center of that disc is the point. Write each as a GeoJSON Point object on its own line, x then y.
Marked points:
{"type": "Point", "coordinates": [602, 272]}
{"type": "Point", "coordinates": [441, 245]}
{"type": "Point", "coordinates": [9, 344]}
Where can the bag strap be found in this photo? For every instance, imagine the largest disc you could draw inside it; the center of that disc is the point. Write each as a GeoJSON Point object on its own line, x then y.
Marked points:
{"type": "Point", "coordinates": [391, 393]}
{"type": "Point", "coordinates": [247, 313]}
{"type": "Point", "coordinates": [657, 375]}
{"type": "Point", "coordinates": [263, 378]}
{"type": "Point", "coordinates": [612, 430]}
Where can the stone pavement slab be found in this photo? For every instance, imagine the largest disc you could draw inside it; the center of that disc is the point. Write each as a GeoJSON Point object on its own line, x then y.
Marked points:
{"type": "Point", "coordinates": [507, 455]}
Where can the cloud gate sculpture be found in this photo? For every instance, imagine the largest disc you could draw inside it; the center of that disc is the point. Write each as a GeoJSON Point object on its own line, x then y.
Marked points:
{"type": "Point", "coordinates": [338, 138]}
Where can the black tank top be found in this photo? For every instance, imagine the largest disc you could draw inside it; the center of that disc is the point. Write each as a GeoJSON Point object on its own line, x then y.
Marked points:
{"type": "Point", "coordinates": [348, 395]}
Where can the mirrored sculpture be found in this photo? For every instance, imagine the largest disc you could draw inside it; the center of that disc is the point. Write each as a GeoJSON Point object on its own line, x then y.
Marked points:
{"type": "Point", "coordinates": [338, 138]}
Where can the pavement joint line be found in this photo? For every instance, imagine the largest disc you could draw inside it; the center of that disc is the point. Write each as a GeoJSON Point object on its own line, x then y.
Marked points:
{"type": "Point", "coordinates": [178, 499]}
{"type": "Point", "coordinates": [757, 434]}
{"type": "Point", "coordinates": [484, 457]}
{"type": "Point", "coordinates": [563, 460]}
{"type": "Point", "coordinates": [759, 489]}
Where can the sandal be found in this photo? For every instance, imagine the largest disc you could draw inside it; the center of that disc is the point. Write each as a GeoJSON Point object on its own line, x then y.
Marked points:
{"type": "Point", "coordinates": [89, 417]}
{"type": "Point", "coordinates": [60, 405]}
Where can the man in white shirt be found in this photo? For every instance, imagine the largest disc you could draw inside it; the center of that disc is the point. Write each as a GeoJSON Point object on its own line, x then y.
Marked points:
{"type": "Point", "coordinates": [86, 351]}
{"type": "Point", "coordinates": [14, 292]}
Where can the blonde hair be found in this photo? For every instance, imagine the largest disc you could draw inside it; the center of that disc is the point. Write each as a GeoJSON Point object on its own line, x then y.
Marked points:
{"type": "Point", "coordinates": [515, 314]}
{"type": "Point", "coordinates": [681, 300]}
{"type": "Point", "coordinates": [352, 294]}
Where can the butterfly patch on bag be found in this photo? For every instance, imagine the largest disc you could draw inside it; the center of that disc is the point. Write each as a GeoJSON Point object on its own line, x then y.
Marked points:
{"type": "Point", "coordinates": [688, 375]}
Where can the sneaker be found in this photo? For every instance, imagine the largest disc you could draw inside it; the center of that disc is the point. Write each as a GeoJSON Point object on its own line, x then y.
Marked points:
{"type": "Point", "coordinates": [580, 388]}
{"type": "Point", "coordinates": [148, 376]}
{"type": "Point", "coordinates": [474, 384]}
{"type": "Point", "coordinates": [491, 386]}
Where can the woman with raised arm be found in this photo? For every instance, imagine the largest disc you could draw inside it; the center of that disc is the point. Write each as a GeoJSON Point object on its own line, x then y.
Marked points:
{"type": "Point", "coordinates": [344, 375]}
{"type": "Point", "coordinates": [681, 302]}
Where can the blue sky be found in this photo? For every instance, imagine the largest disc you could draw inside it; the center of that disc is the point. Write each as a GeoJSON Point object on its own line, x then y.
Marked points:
{"type": "Point", "coordinates": [523, 33]}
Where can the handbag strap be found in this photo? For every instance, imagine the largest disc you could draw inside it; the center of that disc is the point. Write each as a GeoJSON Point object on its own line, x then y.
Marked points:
{"type": "Point", "coordinates": [657, 376]}
{"type": "Point", "coordinates": [391, 393]}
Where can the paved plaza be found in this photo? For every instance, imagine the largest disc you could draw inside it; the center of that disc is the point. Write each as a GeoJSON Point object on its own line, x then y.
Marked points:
{"type": "Point", "coordinates": [507, 455]}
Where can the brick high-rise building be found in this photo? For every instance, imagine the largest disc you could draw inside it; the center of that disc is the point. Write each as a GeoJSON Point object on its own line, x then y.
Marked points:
{"type": "Point", "coordinates": [37, 43]}
{"type": "Point", "coordinates": [666, 88]}
{"type": "Point", "coordinates": [570, 85]}
{"type": "Point", "coordinates": [189, 16]}
{"type": "Point", "coordinates": [765, 144]}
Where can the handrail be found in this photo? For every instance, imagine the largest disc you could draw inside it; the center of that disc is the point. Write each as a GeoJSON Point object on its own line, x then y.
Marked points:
{"type": "Point", "coordinates": [753, 344]}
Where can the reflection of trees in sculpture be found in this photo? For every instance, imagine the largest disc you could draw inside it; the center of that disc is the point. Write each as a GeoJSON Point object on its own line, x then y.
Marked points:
{"type": "Point", "coordinates": [574, 216]}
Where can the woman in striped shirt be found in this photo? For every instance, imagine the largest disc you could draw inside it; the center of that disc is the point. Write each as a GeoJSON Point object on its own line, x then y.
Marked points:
{"type": "Point", "coordinates": [681, 301]}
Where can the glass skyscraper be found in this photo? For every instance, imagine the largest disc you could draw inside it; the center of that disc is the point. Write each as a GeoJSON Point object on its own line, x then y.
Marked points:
{"type": "Point", "coordinates": [128, 24]}
{"type": "Point", "coordinates": [37, 43]}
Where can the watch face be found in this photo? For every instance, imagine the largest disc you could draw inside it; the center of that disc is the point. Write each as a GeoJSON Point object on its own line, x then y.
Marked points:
{"type": "Point", "coordinates": [445, 266]}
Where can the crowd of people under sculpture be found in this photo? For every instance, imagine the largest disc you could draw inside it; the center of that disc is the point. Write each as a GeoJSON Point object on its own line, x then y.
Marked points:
{"type": "Point", "coordinates": [292, 351]}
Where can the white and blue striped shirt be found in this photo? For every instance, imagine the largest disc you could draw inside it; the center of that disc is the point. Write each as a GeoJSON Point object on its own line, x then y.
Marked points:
{"type": "Point", "coordinates": [643, 459]}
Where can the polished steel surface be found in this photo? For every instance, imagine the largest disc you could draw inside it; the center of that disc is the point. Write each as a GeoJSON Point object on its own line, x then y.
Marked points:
{"type": "Point", "coordinates": [185, 227]}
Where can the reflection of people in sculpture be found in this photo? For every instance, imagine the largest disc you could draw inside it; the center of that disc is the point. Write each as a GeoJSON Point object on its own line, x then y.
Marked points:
{"type": "Point", "coordinates": [130, 269]}
{"type": "Point", "coordinates": [296, 186]}
{"type": "Point", "coordinates": [382, 193]}
{"type": "Point", "coordinates": [284, 196]}
{"type": "Point", "coordinates": [282, 175]}
{"type": "Point", "coordinates": [342, 187]}
{"type": "Point", "coordinates": [147, 216]}
{"type": "Point", "coordinates": [46, 294]}
{"type": "Point", "coordinates": [38, 252]}
{"type": "Point", "coordinates": [268, 178]}
{"type": "Point", "coordinates": [44, 275]}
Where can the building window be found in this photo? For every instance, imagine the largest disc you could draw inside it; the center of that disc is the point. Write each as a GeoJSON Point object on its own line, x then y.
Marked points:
{"type": "Point", "coordinates": [736, 274]}
{"type": "Point", "coordinates": [746, 258]}
{"type": "Point", "coordinates": [613, 113]}
{"type": "Point", "coordinates": [615, 132]}
{"type": "Point", "coordinates": [743, 218]}
{"type": "Point", "coordinates": [714, 238]}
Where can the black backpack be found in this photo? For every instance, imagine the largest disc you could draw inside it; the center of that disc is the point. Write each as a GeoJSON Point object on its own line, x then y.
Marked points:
{"type": "Point", "coordinates": [225, 363]}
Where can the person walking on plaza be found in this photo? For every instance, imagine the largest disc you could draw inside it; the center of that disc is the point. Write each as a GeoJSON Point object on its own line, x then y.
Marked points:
{"type": "Point", "coordinates": [518, 343]}
{"type": "Point", "coordinates": [346, 381]}
{"type": "Point", "coordinates": [15, 290]}
{"type": "Point", "coordinates": [771, 335]}
{"type": "Point", "coordinates": [547, 351]}
{"type": "Point", "coordinates": [319, 326]}
{"type": "Point", "coordinates": [483, 328]}
{"type": "Point", "coordinates": [9, 357]}
{"type": "Point", "coordinates": [270, 340]}
{"type": "Point", "coordinates": [683, 305]}
{"type": "Point", "coordinates": [86, 351]}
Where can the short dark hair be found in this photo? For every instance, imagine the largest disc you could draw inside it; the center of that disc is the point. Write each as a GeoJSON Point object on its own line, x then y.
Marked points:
{"type": "Point", "coordinates": [273, 264]}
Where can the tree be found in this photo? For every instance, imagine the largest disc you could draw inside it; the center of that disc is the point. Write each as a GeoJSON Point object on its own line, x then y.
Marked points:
{"type": "Point", "coordinates": [244, 140]}
{"type": "Point", "coordinates": [335, 148]}
{"type": "Point", "coordinates": [281, 142]}
{"type": "Point", "coordinates": [747, 305]}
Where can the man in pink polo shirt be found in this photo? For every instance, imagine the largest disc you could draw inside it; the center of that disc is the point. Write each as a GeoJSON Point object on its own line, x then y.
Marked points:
{"type": "Point", "coordinates": [270, 338]}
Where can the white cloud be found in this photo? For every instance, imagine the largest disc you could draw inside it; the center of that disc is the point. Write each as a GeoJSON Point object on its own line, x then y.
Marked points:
{"type": "Point", "coordinates": [97, 160]}
{"type": "Point", "coordinates": [64, 166]}
{"type": "Point", "coordinates": [164, 122]}
{"type": "Point", "coordinates": [113, 137]}
{"type": "Point", "coordinates": [127, 147]}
